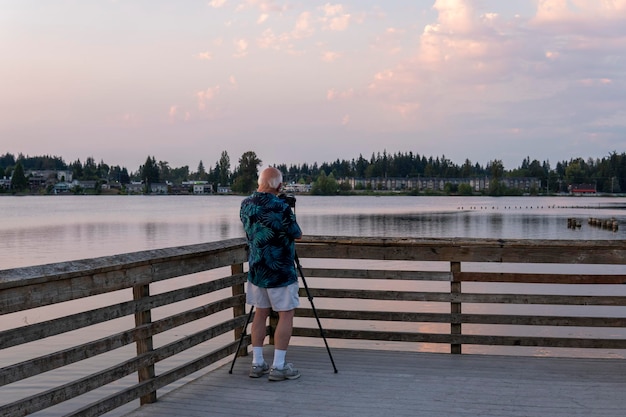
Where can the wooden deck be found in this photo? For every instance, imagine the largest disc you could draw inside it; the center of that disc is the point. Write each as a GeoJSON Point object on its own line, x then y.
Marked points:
{"type": "Point", "coordinates": [389, 383]}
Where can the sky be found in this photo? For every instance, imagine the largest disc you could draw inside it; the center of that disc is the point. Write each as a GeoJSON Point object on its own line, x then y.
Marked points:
{"type": "Point", "coordinates": [300, 81]}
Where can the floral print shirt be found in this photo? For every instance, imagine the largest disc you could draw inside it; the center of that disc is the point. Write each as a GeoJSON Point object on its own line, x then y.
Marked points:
{"type": "Point", "coordinates": [271, 228]}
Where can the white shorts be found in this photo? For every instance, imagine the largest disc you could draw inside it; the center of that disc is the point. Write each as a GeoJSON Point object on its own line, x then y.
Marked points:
{"type": "Point", "coordinates": [278, 299]}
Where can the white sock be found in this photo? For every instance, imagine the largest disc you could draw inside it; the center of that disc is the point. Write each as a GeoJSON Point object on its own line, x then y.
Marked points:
{"type": "Point", "coordinates": [257, 355]}
{"type": "Point", "coordinates": [279, 358]}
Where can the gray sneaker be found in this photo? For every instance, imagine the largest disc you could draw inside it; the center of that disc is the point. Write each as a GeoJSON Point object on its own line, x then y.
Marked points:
{"type": "Point", "coordinates": [288, 372]}
{"type": "Point", "coordinates": [257, 371]}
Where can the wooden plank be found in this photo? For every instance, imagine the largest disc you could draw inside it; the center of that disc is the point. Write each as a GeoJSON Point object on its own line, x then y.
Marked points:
{"type": "Point", "coordinates": [144, 344]}
{"type": "Point", "coordinates": [16, 277]}
{"type": "Point", "coordinates": [464, 339]}
{"type": "Point", "coordinates": [39, 294]}
{"type": "Point", "coordinates": [518, 320]}
{"type": "Point", "coordinates": [377, 274]}
{"type": "Point", "coordinates": [542, 278]}
{"type": "Point", "coordinates": [564, 300]}
{"type": "Point", "coordinates": [476, 298]}
{"type": "Point", "coordinates": [129, 394]}
{"type": "Point", "coordinates": [379, 295]}
{"type": "Point", "coordinates": [464, 250]}
{"type": "Point", "coordinates": [37, 331]}
{"type": "Point", "coordinates": [78, 387]}
{"type": "Point", "coordinates": [374, 383]}
{"type": "Point", "coordinates": [35, 366]}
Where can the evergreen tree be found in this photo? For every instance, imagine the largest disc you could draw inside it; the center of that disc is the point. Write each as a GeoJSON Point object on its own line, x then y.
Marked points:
{"type": "Point", "coordinates": [90, 170]}
{"type": "Point", "coordinates": [19, 182]}
{"type": "Point", "coordinates": [77, 170]}
{"type": "Point", "coordinates": [201, 174]}
{"type": "Point", "coordinates": [165, 172]}
{"type": "Point", "coordinates": [7, 162]}
{"type": "Point", "coordinates": [149, 173]}
{"type": "Point", "coordinates": [224, 169]}
{"type": "Point", "coordinates": [247, 173]}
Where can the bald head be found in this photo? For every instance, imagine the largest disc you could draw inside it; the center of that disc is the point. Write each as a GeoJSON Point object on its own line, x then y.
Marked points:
{"type": "Point", "coordinates": [270, 180]}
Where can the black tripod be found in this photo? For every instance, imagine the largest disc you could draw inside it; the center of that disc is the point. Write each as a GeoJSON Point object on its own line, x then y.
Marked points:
{"type": "Point", "coordinates": [308, 294]}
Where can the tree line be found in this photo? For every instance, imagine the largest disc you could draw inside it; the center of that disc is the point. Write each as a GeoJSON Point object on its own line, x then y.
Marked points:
{"type": "Point", "coordinates": [608, 174]}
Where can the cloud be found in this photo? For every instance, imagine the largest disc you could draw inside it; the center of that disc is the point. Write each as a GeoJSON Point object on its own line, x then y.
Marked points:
{"type": "Point", "coordinates": [262, 18]}
{"type": "Point", "coordinates": [217, 3]}
{"type": "Point", "coordinates": [205, 96]}
{"type": "Point", "coordinates": [204, 56]}
{"type": "Point", "coordinates": [457, 14]}
{"type": "Point", "coordinates": [265, 6]}
{"type": "Point", "coordinates": [303, 26]}
{"type": "Point", "coordinates": [333, 94]}
{"type": "Point", "coordinates": [285, 40]}
{"type": "Point", "coordinates": [175, 114]}
{"type": "Point", "coordinates": [335, 19]}
{"type": "Point", "coordinates": [578, 10]}
{"type": "Point", "coordinates": [130, 119]}
{"type": "Point", "coordinates": [330, 56]}
{"type": "Point", "coordinates": [389, 41]}
{"type": "Point", "coordinates": [241, 48]}
{"type": "Point", "coordinates": [473, 72]}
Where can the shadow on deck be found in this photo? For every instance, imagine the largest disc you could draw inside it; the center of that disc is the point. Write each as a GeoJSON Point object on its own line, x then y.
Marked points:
{"type": "Point", "coordinates": [378, 383]}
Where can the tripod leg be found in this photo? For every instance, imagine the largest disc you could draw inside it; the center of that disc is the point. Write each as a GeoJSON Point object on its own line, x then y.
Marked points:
{"type": "Point", "coordinates": [243, 334]}
{"type": "Point", "coordinates": [319, 324]}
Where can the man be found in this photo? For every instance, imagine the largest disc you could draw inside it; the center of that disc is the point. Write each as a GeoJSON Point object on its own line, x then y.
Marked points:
{"type": "Point", "coordinates": [271, 229]}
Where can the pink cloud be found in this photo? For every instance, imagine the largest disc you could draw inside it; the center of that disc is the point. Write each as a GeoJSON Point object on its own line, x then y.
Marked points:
{"type": "Point", "coordinates": [330, 56]}
{"type": "Point", "coordinates": [335, 18]}
{"type": "Point", "coordinates": [206, 96]}
{"type": "Point", "coordinates": [217, 3]}
{"type": "Point", "coordinates": [285, 40]}
{"type": "Point", "coordinates": [241, 48]}
{"type": "Point", "coordinates": [204, 56]}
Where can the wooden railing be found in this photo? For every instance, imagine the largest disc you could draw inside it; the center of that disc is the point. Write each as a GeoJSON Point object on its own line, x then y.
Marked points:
{"type": "Point", "coordinates": [445, 292]}
{"type": "Point", "coordinates": [519, 267]}
{"type": "Point", "coordinates": [24, 289]}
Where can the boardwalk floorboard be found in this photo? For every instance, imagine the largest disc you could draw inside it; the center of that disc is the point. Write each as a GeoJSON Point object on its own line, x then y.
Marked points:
{"type": "Point", "coordinates": [372, 383]}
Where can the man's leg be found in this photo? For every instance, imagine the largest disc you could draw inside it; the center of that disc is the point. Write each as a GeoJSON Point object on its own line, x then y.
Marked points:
{"type": "Point", "coordinates": [280, 369]}
{"type": "Point", "coordinates": [284, 328]}
{"type": "Point", "coordinates": [282, 335]}
{"type": "Point", "coordinates": [259, 331]}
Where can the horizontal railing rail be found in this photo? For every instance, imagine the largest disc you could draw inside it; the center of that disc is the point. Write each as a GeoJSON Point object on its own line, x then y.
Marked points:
{"type": "Point", "coordinates": [460, 295]}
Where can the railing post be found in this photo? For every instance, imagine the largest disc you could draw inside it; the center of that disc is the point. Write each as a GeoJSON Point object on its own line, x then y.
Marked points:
{"type": "Point", "coordinates": [455, 306]}
{"type": "Point", "coordinates": [144, 345]}
{"type": "Point", "coordinates": [239, 310]}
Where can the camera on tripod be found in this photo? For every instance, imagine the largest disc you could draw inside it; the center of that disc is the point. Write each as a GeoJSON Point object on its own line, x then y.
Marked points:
{"type": "Point", "coordinates": [290, 199]}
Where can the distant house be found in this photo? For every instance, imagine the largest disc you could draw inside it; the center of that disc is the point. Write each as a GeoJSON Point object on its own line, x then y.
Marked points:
{"type": "Point", "coordinates": [85, 185]}
{"type": "Point", "coordinates": [134, 188]}
{"type": "Point", "coordinates": [64, 176]}
{"type": "Point", "coordinates": [580, 189]}
{"type": "Point", "coordinates": [297, 188]}
{"type": "Point", "coordinates": [62, 187]}
{"type": "Point", "coordinates": [159, 188]}
{"type": "Point", "coordinates": [179, 189]}
{"type": "Point", "coordinates": [5, 183]}
{"type": "Point", "coordinates": [202, 187]}
{"type": "Point", "coordinates": [224, 189]}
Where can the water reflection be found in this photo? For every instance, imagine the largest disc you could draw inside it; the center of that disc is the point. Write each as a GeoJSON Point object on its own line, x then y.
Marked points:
{"type": "Point", "coordinates": [42, 230]}
{"type": "Point", "coordinates": [452, 225]}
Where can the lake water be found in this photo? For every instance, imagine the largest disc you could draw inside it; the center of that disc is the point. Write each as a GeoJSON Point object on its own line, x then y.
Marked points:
{"type": "Point", "coordinates": [37, 230]}
{"type": "Point", "coordinates": [45, 229]}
